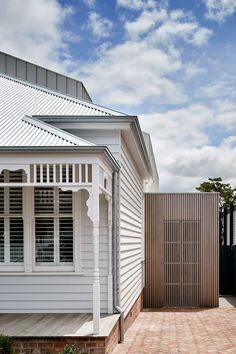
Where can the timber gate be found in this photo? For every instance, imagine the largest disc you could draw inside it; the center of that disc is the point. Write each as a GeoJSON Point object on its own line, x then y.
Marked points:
{"type": "Point", "coordinates": [181, 250]}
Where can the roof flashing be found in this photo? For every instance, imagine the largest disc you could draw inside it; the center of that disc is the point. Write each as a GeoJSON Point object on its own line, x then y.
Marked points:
{"type": "Point", "coordinates": [42, 77]}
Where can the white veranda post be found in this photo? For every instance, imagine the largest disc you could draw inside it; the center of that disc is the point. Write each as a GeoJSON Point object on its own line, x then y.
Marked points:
{"type": "Point", "coordinates": [109, 279]}
{"type": "Point", "coordinates": [95, 222]}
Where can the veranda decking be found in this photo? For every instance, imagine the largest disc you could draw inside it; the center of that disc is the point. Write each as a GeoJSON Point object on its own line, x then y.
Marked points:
{"type": "Point", "coordinates": [54, 325]}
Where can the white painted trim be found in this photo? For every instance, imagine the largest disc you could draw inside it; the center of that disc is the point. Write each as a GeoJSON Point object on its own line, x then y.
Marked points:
{"type": "Point", "coordinates": [15, 167]}
{"type": "Point", "coordinates": [118, 256]}
{"type": "Point", "coordinates": [96, 281]}
{"type": "Point", "coordinates": [37, 157]}
{"type": "Point", "coordinates": [18, 269]}
{"type": "Point", "coordinates": [63, 186]}
{"type": "Point", "coordinates": [53, 268]}
{"type": "Point", "coordinates": [14, 272]}
{"type": "Point", "coordinates": [105, 191]}
{"type": "Point", "coordinates": [109, 277]}
{"type": "Point", "coordinates": [95, 220]}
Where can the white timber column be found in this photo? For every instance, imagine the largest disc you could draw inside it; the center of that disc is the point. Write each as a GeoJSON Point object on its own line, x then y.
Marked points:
{"type": "Point", "coordinates": [95, 222]}
{"type": "Point", "coordinates": [109, 278]}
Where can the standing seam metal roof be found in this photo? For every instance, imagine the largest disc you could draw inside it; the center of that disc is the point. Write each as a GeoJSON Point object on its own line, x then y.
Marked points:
{"type": "Point", "coordinates": [18, 99]}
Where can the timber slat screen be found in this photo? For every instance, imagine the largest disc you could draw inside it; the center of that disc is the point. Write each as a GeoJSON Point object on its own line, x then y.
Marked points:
{"type": "Point", "coordinates": [181, 250]}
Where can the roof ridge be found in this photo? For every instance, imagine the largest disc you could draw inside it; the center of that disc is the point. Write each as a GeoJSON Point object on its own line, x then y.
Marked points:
{"type": "Point", "coordinates": [64, 96]}
{"type": "Point", "coordinates": [56, 131]}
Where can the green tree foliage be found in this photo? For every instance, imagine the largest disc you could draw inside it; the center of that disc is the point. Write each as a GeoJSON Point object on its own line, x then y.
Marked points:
{"type": "Point", "coordinates": [70, 349]}
{"type": "Point", "coordinates": [6, 344]}
{"type": "Point", "coordinates": [226, 192]}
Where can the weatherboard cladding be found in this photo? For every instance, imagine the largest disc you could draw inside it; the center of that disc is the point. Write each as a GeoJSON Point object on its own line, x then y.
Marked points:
{"type": "Point", "coordinates": [131, 231]}
{"type": "Point", "coordinates": [19, 99]}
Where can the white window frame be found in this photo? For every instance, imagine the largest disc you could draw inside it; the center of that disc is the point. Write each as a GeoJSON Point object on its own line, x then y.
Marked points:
{"type": "Point", "coordinates": [7, 265]}
{"type": "Point", "coordinates": [29, 266]}
{"type": "Point", "coordinates": [52, 267]}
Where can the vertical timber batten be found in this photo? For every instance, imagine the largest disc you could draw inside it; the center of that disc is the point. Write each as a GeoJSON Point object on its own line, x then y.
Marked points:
{"type": "Point", "coordinates": [181, 250]}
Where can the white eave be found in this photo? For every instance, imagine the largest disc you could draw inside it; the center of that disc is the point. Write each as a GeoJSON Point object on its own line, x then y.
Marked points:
{"type": "Point", "coordinates": [56, 132]}
{"type": "Point", "coordinates": [128, 125]}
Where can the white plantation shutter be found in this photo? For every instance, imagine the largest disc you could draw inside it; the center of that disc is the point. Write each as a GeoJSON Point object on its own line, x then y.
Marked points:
{"type": "Point", "coordinates": [11, 220]}
{"type": "Point", "coordinates": [44, 240]}
{"type": "Point", "coordinates": [16, 240]}
{"type": "Point", "coordinates": [66, 240]}
{"type": "Point", "coordinates": [15, 200]}
{"type": "Point", "coordinates": [44, 201]}
{"type": "Point", "coordinates": [53, 227]}
{"type": "Point", "coordinates": [65, 202]}
{"type": "Point", "coordinates": [2, 258]}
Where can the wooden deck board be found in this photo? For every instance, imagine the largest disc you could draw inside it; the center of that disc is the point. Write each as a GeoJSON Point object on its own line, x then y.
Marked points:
{"type": "Point", "coordinates": [54, 325]}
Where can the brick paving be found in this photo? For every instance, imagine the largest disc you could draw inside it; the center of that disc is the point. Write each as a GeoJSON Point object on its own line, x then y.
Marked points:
{"type": "Point", "coordinates": [182, 331]}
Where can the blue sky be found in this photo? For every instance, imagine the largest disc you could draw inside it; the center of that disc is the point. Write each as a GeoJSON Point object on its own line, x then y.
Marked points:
{"type": "Point", "coordinates": [172, 63]}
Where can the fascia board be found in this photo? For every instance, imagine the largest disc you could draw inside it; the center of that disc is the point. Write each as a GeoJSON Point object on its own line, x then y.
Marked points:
{"type": "Point", "coordinates": [107, 125]}
{"type": "Point", "coordinates": [81, 122]}
{"type": "Point", "coordinates": [80, 118]}
{"type": "Point", "coordinates": [134, 148]}
{"type": "Point", "coordinates": [83, 150]}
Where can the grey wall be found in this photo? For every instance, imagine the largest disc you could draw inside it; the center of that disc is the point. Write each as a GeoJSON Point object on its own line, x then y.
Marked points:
{"type": "Point", "coordinates": [23, 70]}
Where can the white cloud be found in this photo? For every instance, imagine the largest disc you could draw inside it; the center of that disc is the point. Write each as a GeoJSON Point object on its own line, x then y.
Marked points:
{"type": "Point", "coordinates": [146, 21]}
{"type": "Point", "coordinates": [189, 31]}
{"type": "Point", "coordinates": [226, 114]}
{"type": "Point", "coordinates": [219, 10]}
{"type": "Point", "coordinates": [201, 37]}
{"type": "Point", "coordinates": [139, 69]}
{"type": "Point", "coordinates": [185, 152]}
{"type": "Point", "coordinates": [136, 4]}
{"type": "Point", "coordinates": [90, 3]}
{"type": "Point", "coordinates": [133, 72]}
{"type": "Point", "coordinates": [32, 29]}
{"type": "Point", "coordinates": [163, 27]}
{"type": "Point", "coordinates": [193, 70]}
{"type": "Point", "coordinates": [218, 89]}
{"type": "Point", "coordinates": [100, 26]}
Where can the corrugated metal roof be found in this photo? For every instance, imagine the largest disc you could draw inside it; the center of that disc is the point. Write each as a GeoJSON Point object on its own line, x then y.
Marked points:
{"type": "Point", "coordinates": [18, 99]}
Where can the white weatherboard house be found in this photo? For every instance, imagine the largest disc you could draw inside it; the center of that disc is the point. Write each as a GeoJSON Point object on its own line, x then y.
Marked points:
{"type": "Point", "coordinates": [72, 182]}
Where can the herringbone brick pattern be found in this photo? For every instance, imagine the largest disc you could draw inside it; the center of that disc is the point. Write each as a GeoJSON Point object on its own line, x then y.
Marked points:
{"type": "Point", "coordinates": [187, 331]}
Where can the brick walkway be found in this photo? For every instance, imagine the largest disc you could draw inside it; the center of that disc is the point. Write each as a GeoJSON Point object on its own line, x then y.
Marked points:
{"type": "Point", "coordinates": [182, 331]}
